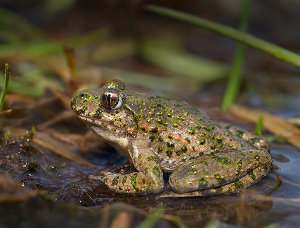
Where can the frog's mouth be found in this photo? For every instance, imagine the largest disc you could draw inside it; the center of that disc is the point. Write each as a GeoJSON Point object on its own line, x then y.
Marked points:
{"type": "Point", "coordinates": [92, 121]}
{"type": "Point", "coordinates": [101, 124]}
{"type": "Point", "coordinates": [120, 143]}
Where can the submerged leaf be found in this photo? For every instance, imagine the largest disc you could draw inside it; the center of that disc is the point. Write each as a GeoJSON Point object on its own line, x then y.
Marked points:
{"type": "Point", "coordinates": [274, 124]}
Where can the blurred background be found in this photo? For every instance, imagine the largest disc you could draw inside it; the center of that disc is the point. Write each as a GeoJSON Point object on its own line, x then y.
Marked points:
{"type": "Point", "coordinates": [123, 36]}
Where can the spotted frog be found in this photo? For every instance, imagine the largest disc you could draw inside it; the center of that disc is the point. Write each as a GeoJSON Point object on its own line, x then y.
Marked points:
{"type": "Point", "coordinates": [170, 141]}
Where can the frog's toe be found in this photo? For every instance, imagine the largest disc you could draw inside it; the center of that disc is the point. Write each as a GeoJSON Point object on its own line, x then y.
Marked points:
{"type": "Point", "coordinates": [254, 140]}
{"type": "Point", "coordinates": [101, 176]}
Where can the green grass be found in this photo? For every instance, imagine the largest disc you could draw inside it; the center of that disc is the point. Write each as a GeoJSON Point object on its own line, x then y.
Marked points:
{"type": "Point", "coordinates": [4, 89]}
{"type": "Point", "coordinates": [167, 53]}
{"type": "Point", "coordinates": [213, 224]}
{"type": "Point", "coordinates": [235, 75]}
{"type": "Point", "coordinates": [152, 219]}
{"type": "Point", "coordinates": [242, 37]}
{"type": "Point", "coordinates": [259, 125]}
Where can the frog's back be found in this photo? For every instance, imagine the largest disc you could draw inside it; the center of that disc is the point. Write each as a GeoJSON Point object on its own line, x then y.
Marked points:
{"type": "Point", "coordinates": [176, 130]}
{"type": "Point", "coordinates": [179, 132]}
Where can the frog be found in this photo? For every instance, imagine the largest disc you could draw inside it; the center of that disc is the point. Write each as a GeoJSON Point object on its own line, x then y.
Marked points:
{"type": "Point", "coordinates": [171, 144]}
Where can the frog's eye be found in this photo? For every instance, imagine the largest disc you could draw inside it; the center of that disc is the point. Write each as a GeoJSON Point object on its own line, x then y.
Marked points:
{"type": "Point", "coordinates": [111, 100]}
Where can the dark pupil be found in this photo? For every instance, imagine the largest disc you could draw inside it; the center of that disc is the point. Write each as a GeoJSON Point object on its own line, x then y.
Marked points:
{"type": "Point", "coordinates": [110, 100]}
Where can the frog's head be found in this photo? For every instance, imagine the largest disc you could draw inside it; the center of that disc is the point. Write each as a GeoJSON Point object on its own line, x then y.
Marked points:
{"type": "Point", "coordinates": [105, 110]}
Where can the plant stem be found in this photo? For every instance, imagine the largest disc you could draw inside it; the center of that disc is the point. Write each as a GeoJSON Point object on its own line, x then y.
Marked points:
{"type": "Point", "coordinates": [244, 38]}
{"type": "Point", "coordinates": [152, 219]}
{"type": "Point", "coordinates": [259, 125]}
{"type": "Point", "coordinates": [234, 81]}
{"type": "Point", "coordinates": [4, 89]}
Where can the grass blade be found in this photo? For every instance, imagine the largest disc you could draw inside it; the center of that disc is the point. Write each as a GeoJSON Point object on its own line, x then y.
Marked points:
{"type": "Point", "coordinates": [169, 55]}
{"type": "Point", "coordinates": [242, 37]}
{"type": "Point", "coordinates": [234, 81]}
{"type": "Point", "coordinates": [259, 125]}
{"type": "Point", "coordinates": [152, 219]}
{"type": "Point", "coordinates": [275, 124]}
{"type": "Point", "coordinates": [4, 89]}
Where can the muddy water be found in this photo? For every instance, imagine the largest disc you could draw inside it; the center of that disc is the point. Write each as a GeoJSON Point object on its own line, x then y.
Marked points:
{"type": "Point", "coordinates": [275, 200]}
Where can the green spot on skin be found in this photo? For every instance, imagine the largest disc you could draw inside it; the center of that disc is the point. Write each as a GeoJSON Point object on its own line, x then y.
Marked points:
{"type": "Point", "coordinates": [252, 175]}
{"type": "Point", "coordinates": [133, 181]}
{"type": "Point", "coordinates": [219, 178]}
{"type": "Point", "coordinates": [115, 84]}
{"type": "Point", "coordinates": [178, 152]}
{"type": "Point", "coordinates": [115, 181]}
{"type": "Point", "coordinates": [169, 153]}
{"type": "Point", "coordinates": [201, 142]}
{"type": "Point", "coordinates": [152, 158]}
{"type": "Point", "coordinates": [238, 184]}
{"type": "Point", "coordinates": [182, 118]}
{"type": "Point", "coordinates": [159, 149]}
{"type": "Point", "coordinates": [98, 113]}
{"type": "Point", "coordinates": [124, 179]}
{"type": "Point", "coordinates": [170, 144]}
{"type": "Point", "coordinates": [239, 133]}
{"type": "Point", "coordinates": [156, 171]}
{"type": "Point", "coordinates": [191, 130]}
{"type": "Point", "coordinates": [223, 160]}
{"type": "Point", "coordinates": [181, 151]}
{"type": "Point", "coordinates": [203, 182]}
{"type": "Point", "coordinates": [151, 137]}
{"type": "Point", "coordinates": [219, 140]}
{"type": "Point", "coordinates": [118, 122]}
{"type": "Point", "coordinates": [175, 125]}
{"type": "Point", "coordinates": [239, 166]}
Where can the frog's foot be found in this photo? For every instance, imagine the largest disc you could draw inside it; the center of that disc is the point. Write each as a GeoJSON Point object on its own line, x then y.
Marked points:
{"type": "Point", "coordinates": [254, 140]}
{"type": "Point", "coordinates": [224, 172]}
{"type": "Point", "coordinates": [136, 182]}
{"type": "Point", "coordinates": [147, 179]}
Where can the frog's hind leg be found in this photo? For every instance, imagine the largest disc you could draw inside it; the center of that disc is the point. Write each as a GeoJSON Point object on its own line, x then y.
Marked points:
{"type": "Point", "coordinates": [234, 187]}
{"type": "Point", "coordinates": [224, 171]}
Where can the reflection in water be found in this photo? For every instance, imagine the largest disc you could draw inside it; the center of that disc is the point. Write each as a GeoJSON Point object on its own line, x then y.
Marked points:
{"type": "Point", "coordinates": [272, 200]}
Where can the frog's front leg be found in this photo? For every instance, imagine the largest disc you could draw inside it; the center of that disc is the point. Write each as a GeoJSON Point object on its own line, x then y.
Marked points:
{"type": "Point", "coordinates": [147, 179]}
